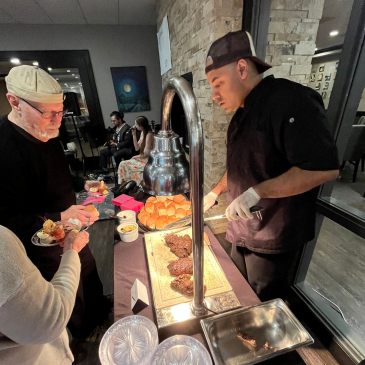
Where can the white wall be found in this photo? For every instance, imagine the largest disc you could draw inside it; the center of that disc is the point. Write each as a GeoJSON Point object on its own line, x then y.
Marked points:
{"type": "Point", "coordinates": [109, 46]}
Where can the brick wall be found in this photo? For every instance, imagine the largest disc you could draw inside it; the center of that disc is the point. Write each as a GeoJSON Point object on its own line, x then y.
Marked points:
{"type": "Point", "coordinates": [193, 26]}
{"type": "Point", "coordinates": [292, 38]}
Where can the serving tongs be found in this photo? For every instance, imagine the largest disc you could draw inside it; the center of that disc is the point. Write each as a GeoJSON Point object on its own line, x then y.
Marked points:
{"type": "Point", "coordinates": [187, 220]}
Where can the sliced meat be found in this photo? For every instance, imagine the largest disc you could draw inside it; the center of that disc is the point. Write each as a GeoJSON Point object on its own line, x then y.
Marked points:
{"type": "Point", "coordinates": [180, 246]}
{"type": "Point", "coordinates": [184, 285]}
{"type": "Point", "coordinates": [181, 266]}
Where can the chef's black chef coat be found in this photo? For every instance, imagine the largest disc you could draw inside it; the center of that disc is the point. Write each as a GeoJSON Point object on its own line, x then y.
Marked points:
{"type": "Point", "coordinates": [282, 125]}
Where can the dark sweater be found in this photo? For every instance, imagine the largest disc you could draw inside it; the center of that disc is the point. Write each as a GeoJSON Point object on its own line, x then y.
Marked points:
{"type": "Point", "coordinates": [36, 181]}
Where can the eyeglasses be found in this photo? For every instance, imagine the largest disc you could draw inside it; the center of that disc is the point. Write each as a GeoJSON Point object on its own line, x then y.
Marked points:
{"type": "Point", "coordinates": [47, 115]}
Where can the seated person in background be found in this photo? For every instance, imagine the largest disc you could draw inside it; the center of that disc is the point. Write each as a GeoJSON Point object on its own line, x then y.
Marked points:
{"type": "Point", "coordinates": [121, 146]}
{"type": "Point", "coordinates": [34, 312]}
{"type": "Point", "coordinates": [132, 169]}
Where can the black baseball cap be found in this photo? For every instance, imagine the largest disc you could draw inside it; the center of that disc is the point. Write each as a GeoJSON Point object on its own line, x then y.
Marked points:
{"type": "Point", "coordinates": [231, 48]}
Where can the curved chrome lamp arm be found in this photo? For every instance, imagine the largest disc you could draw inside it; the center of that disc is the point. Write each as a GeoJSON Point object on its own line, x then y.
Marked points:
{"type": "Point", "coordinates": [196, 150]}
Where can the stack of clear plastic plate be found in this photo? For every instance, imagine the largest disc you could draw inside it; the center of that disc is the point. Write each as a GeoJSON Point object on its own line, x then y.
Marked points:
{"type": "Point", "coordinates": [129, 341]}
{"type": "Point", "coordinates": [181, 350]}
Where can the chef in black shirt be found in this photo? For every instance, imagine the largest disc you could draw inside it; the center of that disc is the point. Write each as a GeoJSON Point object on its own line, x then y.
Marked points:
{"type": "Point", "coordinates": [40, 186]}
{"type": "Point", "coordinates": [279, 150]}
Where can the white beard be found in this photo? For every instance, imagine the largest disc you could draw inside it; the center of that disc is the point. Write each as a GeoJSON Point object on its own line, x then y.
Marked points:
{"type": "Point", "coordinates": [37, 133]}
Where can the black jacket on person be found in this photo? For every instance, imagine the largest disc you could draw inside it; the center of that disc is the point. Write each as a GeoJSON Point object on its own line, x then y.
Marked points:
{"type": "Point", "coordinates": [124, 137]}
{"type": "Point", "coordinates": [36, 184]}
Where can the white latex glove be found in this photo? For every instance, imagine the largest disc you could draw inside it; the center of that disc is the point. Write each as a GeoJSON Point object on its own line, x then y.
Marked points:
{"type": "Point", "coordinates": [209, 200]}
{"type": "Point", "coordinates": [240, 207]}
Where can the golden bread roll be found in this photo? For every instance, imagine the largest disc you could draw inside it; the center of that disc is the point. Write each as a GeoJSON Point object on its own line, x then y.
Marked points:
{"type": "Point", "coordinates": [149, 207]}
{"type": "Point", "coordinates": [152, 199]}
{"type": "Point", "coordinates": [171, 210]}
{"type": "Point", "coordinates": [161, 222]}
{"type": "Point", "coordinates": [185, 205]}
{"type": "Point", "coordinates": [159, 205]}
{"type": "Point", "coordinates": [188, 212]}
{"type": "Point", "coordinates": [151, 222]}
{"type": "Point", "coordinates": [142, 210]}
{"type": "Point", "coordinates": [140, 215]}
{"type": "Point", "coordinates": [179, 198]}
{"type": "Point", "coordinates": [90, 208]}
{"type": "Point", "coordinates": [155, 215]}
{"type": "Point", "coordinates": [180, 213]}
{"type": "Point", "coordinates": [143, 220]}
{"type": "Point", "coordinates": [161, 198]}
{"type": "Point", "coordinates": [162, 211]}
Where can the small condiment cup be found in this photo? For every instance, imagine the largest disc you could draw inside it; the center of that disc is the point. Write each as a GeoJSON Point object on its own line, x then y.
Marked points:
{"type": "Point", "coordinates": [129, 214]}
{"type": "Point", "coordinates": [128, 236]}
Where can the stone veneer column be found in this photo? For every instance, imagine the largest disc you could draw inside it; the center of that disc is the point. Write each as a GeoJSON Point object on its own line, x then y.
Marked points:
{"type": "Point", "coordinates": [292, 38]}
{"type": "Point", "coordinates": [193, 26]}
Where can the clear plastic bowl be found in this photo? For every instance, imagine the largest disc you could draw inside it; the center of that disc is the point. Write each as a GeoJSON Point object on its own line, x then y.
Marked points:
{"type": "Point", "coordinates": [131, 340]}
{"type": "Point", "coordinates": [181, 350]}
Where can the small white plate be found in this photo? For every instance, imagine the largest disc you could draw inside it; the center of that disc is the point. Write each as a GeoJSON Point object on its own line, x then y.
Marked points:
{"type": "Point", "coordinates": [37, 241]}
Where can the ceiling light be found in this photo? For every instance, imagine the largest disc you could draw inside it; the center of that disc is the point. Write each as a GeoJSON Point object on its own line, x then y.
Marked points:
{"type": "Point", "coordinates": [80, 83]}
{"type": "Point", "coordinates": [73, 75]}
{"type": "Point", "coordinates": [65, 84]}
{"type": "Point", "coordinates": [68, 70]}
{"type": "Point", "coordinates": [316, 49]}
{"type": "Point", "coordinates": [57, 78]}
{"type": "Point", "coordinates": [334, 33]}
{"type": "Point", "coordinates": [35, 63]}
{"type": "Point", "coordinates": [76, 77]}
{"type": "Point", "coordinates": [16, 61]}
{"type": "Point", "coordinates": [49, 68]}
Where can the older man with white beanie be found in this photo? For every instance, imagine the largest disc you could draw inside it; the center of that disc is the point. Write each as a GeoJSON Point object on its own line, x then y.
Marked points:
{"type": "Point", "coordinates": [40, 185]}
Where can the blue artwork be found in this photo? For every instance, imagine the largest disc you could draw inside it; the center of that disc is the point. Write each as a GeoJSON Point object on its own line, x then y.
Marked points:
{"type": "Point", "coordinates": [131, 90]}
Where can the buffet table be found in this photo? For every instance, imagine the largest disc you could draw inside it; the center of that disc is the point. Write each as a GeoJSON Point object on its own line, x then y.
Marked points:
{"type": "Point", "coordinates": [130, 263]}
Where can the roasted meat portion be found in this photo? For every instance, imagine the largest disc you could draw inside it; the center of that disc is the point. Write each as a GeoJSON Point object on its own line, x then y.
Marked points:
{"type": "Point", "coordinates": [181, 266]}
{"type": "Point", "coordinates": [184, 285]}
{"type": "Point", "coordinates": [180, 246]}
{"type": "Point", "coordinates": [247, 340]}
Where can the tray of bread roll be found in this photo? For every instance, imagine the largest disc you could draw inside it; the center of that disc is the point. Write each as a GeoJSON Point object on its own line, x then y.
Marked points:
{"type": "Point", "coordinates": [170, 262]}
{"type": "Point", "coordinates": [160, 211]}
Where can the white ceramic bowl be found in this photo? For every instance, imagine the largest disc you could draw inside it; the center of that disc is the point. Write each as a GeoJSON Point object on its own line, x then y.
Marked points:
{"type": "Point", "coordinates": [128, 236]}
{"type": "Point", "coordinates": [131, 340]}
{"type": "Point", "coordinates": [182, 350]}
{"type": "Point", "coordinates": [126, 216]}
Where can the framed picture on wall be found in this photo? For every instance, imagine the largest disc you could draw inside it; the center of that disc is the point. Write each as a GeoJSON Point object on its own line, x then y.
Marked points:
{"type": "Point", "coordinates": [321, 68]}
{"type": "Point", "coordinates": [327, 77]}
{"type": "Point", "coordinates": [131, 89]}
{"type": "Point", "coordinates": [320, 77]}
{"type": "Point", "coordinates": [312, 78]}
{"type": "Point", "coordinates": [318, 86]}
{"type": "Point", "coordinates": [324, 95]}
{"type": "Point", "coordinates": [326, 85]}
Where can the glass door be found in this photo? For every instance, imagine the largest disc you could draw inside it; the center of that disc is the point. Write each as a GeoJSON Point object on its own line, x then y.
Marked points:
{"type": "Point", "coordinates": [331, 276]}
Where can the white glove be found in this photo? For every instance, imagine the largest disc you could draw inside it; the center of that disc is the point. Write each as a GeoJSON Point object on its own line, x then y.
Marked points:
{"type": "Point", "coordinates": [240, 207]}
{"type": "Point", "coordinates": [209, 200]}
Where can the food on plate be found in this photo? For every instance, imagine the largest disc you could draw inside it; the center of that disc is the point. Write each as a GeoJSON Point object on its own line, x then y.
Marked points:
{"type": "Point", "coordinates": [174, 207]}
{"type": "Point", "coordinates": [127, 228]}
{"type": "Point", "coordinates": [247, 340]}
{"type": "Point", "coordinates": [72, 224]}
{"type": "Point", "coordinates": [151, 222]}
{"type": "Point", "coordinates": [181, 266]}
{"type": "Point", "coordinates": [141, 214]}
{"type": "Point", "coordinates": [53, 229]}
{"type": "Point", "coordinates": [103, 189]}
{"type": "Point", "coordinates": [144, 218]}
{"type": "Point", "coordinates": [48, 226]}
{"type": "Point", "coordinates": [184, 285]}
{"type": "Point", "coordinates": [185, 205]}
{"type": "Point", "coordinates": [161, 198]}
{"type": "Point", "coordinates": [94, 189]}
{"type": "Point", "coordinates": [161, 222]}
{"type": "Point", "coordinates": [90, 208]}
{"type": "Point", "coordinates": [179, 198]}
{"type": "Point", "coordinates": [180, 213]}
{"type": "Point", "coordinates": [180, 246]}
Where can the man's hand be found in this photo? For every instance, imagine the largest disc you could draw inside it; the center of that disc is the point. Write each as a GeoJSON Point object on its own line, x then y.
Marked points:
{"type": "Point", "coordinates": [240, 207]}
{"type": "Point", "coordinates": [112, 143]}
{"type": "Point", "coordinates": [77, 211]}
{"type": "Point", "coordinates": [209, 201]}
{"type": "Point", "coordinates": [91, 184]}
{"type": "Point", "coordinates": [75, 241]}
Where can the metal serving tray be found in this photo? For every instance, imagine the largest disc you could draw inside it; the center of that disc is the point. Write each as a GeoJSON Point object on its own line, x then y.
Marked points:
{"type": "Point", "coordinates": [270, 323]}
